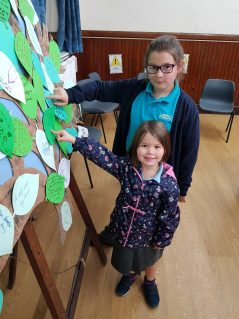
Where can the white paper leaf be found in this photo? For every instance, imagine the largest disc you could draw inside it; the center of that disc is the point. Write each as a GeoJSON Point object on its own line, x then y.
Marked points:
{"type": "Point", "coordinates": [32, 35]}
{"type": "Point", "coordinates": [10, 79]}
{"type": "Point", "coordinates": [64, 170]}
{"type": "Point", "coordinates": [50, 84]}
{"type": "Point", "coordinates": [25, 193]}
{"type": "Point", "coordinates": [45, 149]}
{"type": "Point", "coordinates": [6, 231]}
{"type": "Point", "coordinates": [66, 216]}
{"type": "Point", "coordinates": [2, 155]}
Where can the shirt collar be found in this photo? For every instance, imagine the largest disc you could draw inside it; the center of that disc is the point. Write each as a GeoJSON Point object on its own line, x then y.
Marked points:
{"type": "Point", "coordinates": [168, 98]}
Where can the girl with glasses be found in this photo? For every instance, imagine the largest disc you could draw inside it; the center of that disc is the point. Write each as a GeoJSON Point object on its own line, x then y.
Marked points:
{"type": "Point", "coordinates": [146, 214]}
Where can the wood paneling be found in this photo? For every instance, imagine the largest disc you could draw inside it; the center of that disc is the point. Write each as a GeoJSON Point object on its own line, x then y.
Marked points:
{"type": "Point", "coordinates": [211, 56]}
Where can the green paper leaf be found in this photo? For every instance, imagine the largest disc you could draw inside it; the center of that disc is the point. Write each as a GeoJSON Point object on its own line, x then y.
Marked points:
{"type": "Point", "coordinates": [69, 111]}
{"type": "Point", "coordinates": [22, 138]}
{"type": "Point", "coordinates": [26, 9]}
{"type": "Point", "coordinates": [6, 132]}
{"type": "Point", "coordinates": [55, 54]}
{"type": "Point", "coordinates": [49, 124]}
{"type": "Point", "coordinates": [63, 145]}
{"type": "Point", "coordinates": [30, 108]}
{"type": "Point", "coordinates": [55, 188]}
{"type": "Point", "coordinates": [23, 52]}
{"type": "Point", "coordinates": [39, 90]}
{"type": "Point", "coordinates": [4, 10]}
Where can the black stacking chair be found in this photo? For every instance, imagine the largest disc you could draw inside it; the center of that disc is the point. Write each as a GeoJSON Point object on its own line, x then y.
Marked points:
{"type": "Point", "coordinates": [97, 108]}
{"type": "Point", "coordinates": [218, 97]}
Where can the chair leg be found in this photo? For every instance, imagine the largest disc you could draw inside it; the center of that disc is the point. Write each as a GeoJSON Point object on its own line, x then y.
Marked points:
{"type": "Point", "coordinates": [101, 121]}
{"type": "Point", "coordinates": [88, 171]}
{"type": "Point", "coordinates": [229, 126]}
{"type": "Point", "coordinates": [116, 116]}
{"type": "Point", "coordinates": [231, 116]}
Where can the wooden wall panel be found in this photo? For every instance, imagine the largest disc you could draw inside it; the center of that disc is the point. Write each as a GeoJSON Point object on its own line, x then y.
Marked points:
{"type": "Point", "coordinates": [211, 56]}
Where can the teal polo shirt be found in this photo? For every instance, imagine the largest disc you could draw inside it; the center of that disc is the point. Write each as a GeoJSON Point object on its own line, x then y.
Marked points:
{"type": "Point", "coordinates": [146, 107]}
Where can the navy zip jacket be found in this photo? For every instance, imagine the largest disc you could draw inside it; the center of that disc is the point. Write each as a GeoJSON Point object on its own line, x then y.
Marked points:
{"type": "Point", "coordinates": [184, 130]}
{"type": "Point", "coordinates": [146, 211]}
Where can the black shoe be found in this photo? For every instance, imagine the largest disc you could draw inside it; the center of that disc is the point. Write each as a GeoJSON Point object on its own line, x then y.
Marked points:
{"type": "Point", "coordinates": [151, 293]}
{"type": "Point", "coordinates": [107, 237]}
{"type": "Point", "coordinates": [124, 285]}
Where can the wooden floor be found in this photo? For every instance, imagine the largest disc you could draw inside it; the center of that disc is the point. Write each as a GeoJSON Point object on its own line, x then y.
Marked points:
{"type": "Point", "coordinates": [198, 276]}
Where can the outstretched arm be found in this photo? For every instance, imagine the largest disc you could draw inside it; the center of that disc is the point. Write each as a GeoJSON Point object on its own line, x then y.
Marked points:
{"type": "Point", "coordinates": [95, 152]}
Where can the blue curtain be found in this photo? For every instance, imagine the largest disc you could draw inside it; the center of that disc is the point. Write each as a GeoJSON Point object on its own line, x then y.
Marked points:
{"type": "Point", "coordinates": [40, 7]}
{"type": "Point", "coordinates": [69, 28]}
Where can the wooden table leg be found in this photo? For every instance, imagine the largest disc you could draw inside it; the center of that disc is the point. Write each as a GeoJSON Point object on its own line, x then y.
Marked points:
{"type": "Point", "coordinates": [42, 272]}
{"type": "Point", "coordinates": [86, 217]}
{"type": "Point", "coordinates": [12, 267]}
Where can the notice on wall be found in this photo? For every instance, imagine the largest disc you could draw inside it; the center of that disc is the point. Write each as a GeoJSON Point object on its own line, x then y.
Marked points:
{"type": "Point", "coordinates": [115, 63]}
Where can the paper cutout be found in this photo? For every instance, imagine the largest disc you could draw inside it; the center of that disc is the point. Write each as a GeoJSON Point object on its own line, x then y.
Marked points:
{"type": "Point", "coordinates": [69, 111]}
{"type": "Point", "coordinates": [2, 155]}
{"type": "Point", "coordinates": [22, 138]}
{"type": "Point", "coordinates": [23, 51]}
{"type": "Point", "coordinates": [6, 132]}
{"type": "Point", "coordinates": [39, 90]}
{"type": "Point", "coordinates": [55, 54]}
{"type": "Point", "coordinates": [64, 170]}
{"type": "Point", "coordinates": [60, 113]}
{"type": "Point", "coordinates": [63, 145]}
{"type": "Point", "coordinates": [49, 102]}
{"type": "Point", "coordinates": [7, 40]}
{"type": "Point", "coordinates": [18, 16]}
{"type": "Point", "coordinates": [45, 149]}
{"type": "Point", "coordinates": [10, 79]}
{"type": "Point", "coordinates": [68, 84]}
{"type": "Point", "coordinates": [82, 131]}
{"type": "Point", "coordinates": [6, 232]}
{"type": "Point", "coordinates": [49, 83]}
{"type": "Point", "coordinates": [26, 10]}
{"type": "Point", "coordinates": [14, 7]}
{"type": "Point", "coordinates": [35, 18]}
{"type": "Point", "coordinates": [73, 132]}
{"type": "Point", "coordinates": [55, 188]}
{"type": "Point", "coordinates": [30, 107]}
{"type": "Point", "coordinates": [51, 70]}
{"type": "Point", "coordinates": [4, 10]}
{"type": "Point", "coordinates": [33, 160]}
{"type": "Point", "coordinates": [66, 216]}
{"type": "Point", "coordinates": [32, 35]}
{"type": "Point", "coordinates": [1, 300]}
{"type": "Point", "coordinates": [37, 65]}
{"type": "Point", "coordinates": [49, 124]}
{"type": "Point", "coordinates": [25, 193]}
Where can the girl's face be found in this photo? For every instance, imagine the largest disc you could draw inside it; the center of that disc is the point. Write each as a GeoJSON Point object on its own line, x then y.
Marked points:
{"type": "Point", "coordinates": [162, 83]}
{"type": "Point", "coordinates": [150, 152]}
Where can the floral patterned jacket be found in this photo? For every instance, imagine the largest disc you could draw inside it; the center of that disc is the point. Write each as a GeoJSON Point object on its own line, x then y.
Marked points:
{"type": "Point", "coordinates": [146, 211]}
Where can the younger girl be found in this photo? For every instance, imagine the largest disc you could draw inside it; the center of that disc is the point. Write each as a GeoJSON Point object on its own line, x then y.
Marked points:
{"type": "Point", "coordinates": [146, 214]}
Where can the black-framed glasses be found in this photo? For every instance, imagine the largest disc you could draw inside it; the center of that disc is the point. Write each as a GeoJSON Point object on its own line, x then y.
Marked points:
{"type": "Point", "coordinates": [165, 68]}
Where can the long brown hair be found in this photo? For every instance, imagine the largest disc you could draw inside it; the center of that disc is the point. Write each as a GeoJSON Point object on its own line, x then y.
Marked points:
{"type": "Point", "coordinates": [166, 43]}
{"type": "Point", "coordinates": [156, 129]}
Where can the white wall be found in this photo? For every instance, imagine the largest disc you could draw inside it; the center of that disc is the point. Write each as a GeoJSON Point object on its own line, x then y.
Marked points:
{"type": "Point", "coordinates": [188, 16]}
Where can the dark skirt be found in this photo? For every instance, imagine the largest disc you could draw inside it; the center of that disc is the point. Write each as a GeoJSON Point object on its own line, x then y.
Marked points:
{"type": "Point", "coordinates": [126, 259]}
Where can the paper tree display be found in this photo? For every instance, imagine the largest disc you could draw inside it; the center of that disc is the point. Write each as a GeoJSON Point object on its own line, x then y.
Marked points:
{"type": "Point", "coordinates": [33, 166]}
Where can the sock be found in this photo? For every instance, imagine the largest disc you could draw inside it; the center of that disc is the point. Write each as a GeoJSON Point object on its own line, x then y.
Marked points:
{"type": "Point", "coordinates": [149, 282]}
